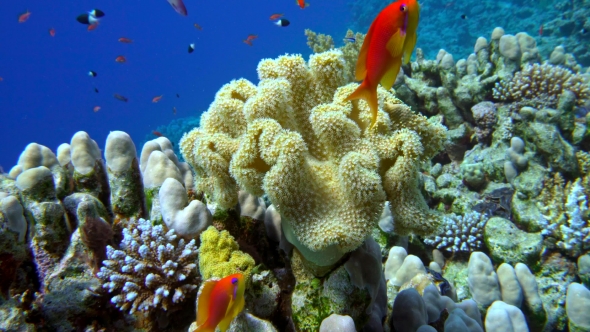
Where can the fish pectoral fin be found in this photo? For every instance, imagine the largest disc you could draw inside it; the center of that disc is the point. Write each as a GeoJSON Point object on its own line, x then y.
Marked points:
{"type": "Point", "coordinates": [395, 45]}
{"type": "Point", "coordinates": [389, 78]}
{"type": "Point", "coordinates": [409, 47]}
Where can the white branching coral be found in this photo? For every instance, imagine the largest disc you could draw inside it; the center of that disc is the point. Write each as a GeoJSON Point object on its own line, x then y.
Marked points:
{"type": "Point", "coordinates": [152, 269]}
{"type": "Point", "coordinates": [541, 86]}
{"type": "Point", "coordinates": [565, 208]}
{"type": "Point", "coordinates": [460, 233]}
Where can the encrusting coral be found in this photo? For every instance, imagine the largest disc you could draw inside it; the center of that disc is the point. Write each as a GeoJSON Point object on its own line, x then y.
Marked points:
{"type": "Point", "coordinates": [151, 270]}
{"type": "Point", "coordinates": [296, 139]}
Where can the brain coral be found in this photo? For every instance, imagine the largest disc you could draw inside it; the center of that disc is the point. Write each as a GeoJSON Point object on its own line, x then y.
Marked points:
{"type": "Point", "coordinates": [295, 138]}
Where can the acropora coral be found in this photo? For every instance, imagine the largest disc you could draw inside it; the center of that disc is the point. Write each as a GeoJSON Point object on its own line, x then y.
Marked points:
{"type": "Point", "coordinates": [296, 139]}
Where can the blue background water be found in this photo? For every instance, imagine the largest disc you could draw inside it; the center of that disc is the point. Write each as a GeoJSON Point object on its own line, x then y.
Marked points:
{"type": "Point", "coordinates": [46, 95]}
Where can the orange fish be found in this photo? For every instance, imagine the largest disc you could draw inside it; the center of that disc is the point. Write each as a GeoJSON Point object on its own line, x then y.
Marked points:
{"type": "Point", "coordinates": [252, 37]}
{"type": "Point", "coordinates": [1, 79]}
{"type": "Point", "coordinates": [302, 4]}
{"type": "Point", "coordinates": [120, 59]}
{"type": "Point", "coordinates": [198, 26]}
{"type": "Point", "coordinates": [541, 31]}
{"type": "Point", "coordinates": [125, 40]}
{"type": "Point", "coordinates": [22, 18]}
{"type": "Point", "coordinates": [157, 133]}
{"type": "Point", "coordinates": [93, 26]}
{"type": "Point", "coordinates": [220, 301]}
{"type": "Point", "coordinates": [247, 42]}
{"type": "Point", "coordinates": [390, 40]}
{"type": "Point", "coordinates": [96, 109]}
{"type": "Point", "coordinates": [157, 98]}
{"type": "Point", "coordinates": [52, 32]}
{"type": "Point", "coordinates": [276, 16]}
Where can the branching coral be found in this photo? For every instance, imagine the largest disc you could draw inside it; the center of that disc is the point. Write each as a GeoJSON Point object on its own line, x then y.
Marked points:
{"type": "Point", "coordinates": [541, 86]}
{"type": "Point", "coordinates": [565, 208]}
{"type": "Point", "coordinates": [152, 270]}
{"type": "Point", "coordinates": [460, 233]}
{"type": "Point", "coordinates": [295, 138]}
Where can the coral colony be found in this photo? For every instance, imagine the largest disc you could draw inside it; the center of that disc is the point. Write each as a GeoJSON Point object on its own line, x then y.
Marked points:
{"type": "Point", "coordinates": [476, 169]}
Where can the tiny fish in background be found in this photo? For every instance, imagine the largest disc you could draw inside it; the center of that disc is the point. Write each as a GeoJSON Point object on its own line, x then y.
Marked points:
{"type": "Point", "coordinates": [125, 40]}
{"type": "Point", "coordinates": [96, 109]}
{"type": "Point", "coordinates": [157, 133]}
{"type": "Point", "coordinates": [157, 98]}
{"type": "Point", "coordinates": [583, 31]}
{"type": "Point", "coordinates": [177, 95]}
{"type": "Point", "coordinates": [120, 59]}
{"type": "Point", "coordinates": [191, 48]}
{"type": "Point", "coordinates": [276, 16]}
{"type": "Point", "coordinates": [119, 97]}
{"type": "Point", "coordinates": [464, 16]}
{"type": "Point", "coordinates": [302, 4]}
{"type": "Point", "coordinates": [283, 22]}
{"type": "Point", "coordinates": [92, 73]}
{"type": "Point", "coordinates": [91, 17]}
{"type": "Point", "coordinates": [252, 37]}
{"type": "Point", "coordinates": [197, 26]}
{"type": "Point", "coordinates": [96, 90]}
{"type": "Point", "coordinates": [52, 32]}
{"type": "Point", "coordinates": [350, 39]}
{"type": "Point", "coordinates": [1, 79]}
{"type": "Point", "coordinates": [541, 31]}
{"type": "Point", "coordinates": [174, 110]}
{"type": "Point", "coordinates": [22, 18]}
{"type": "Point", "coordinates": [178, 6]}
{"type": "Point", "coordinates": [92, 26]}
{"type": "Point", "coordinates": [219, 302]}
{"type": "Point", "coordinates": [248, 42]}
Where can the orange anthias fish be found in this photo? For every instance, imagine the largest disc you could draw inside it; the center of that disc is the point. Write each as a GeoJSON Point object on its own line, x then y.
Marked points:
{"type": "Point", "coordinates": [391, 39]}
{"type": "Point", "coordinates": [93, 26]}
{"type": "Point", "coordinates": [52, 32]}
{"type": "Point", "coordinates": [157, 133]}
{"type": "Point", "coordinates": [302, 4]}
{"type": "Point", "coordinates": [157, 98]}
{"type": "Point", "coordinates": [275, 16]}
{"type": "Point", "coordinates": [220, 301]}
{"type": "Point", "coordinates": [22, 18]}
{"type": "Point", "coordinates": [120, 59]}
{"type": "Point", "coordinates": [96, 109]}
{"type": "Point", "coordinates": [248, 42]}
{"type": "Point", "coordinates": [125, 40]}
{"type": "Point", "coordinates": [252, 37]}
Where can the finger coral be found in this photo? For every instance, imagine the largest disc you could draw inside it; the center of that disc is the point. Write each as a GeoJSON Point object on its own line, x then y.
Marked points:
{"type": "Point", "coordinates": [152, 269]}
{"type": "Point", "coordinates": [541, 86]}
{"type": "Point", "coordinates": [296, 139]}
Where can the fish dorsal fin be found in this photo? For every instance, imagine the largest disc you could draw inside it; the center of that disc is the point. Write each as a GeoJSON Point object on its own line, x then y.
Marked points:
{"type": "Point", "coordinates": [395, 45]}
{"type": "Point", "coordinates": [361, 63]}
{"type": "Point", "coordinates": [203, 301]}
{"type": "Point", "coordinates": [389, 78]}
{"type": "Point", "coordinates": [409, 47]}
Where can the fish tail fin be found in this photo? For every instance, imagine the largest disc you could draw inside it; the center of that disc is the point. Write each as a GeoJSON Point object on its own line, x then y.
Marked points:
{"type": "Point", "coordinates": [369, 94]}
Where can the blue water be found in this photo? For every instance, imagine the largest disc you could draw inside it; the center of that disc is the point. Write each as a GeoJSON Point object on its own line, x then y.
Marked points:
{"type": "Point", "coordinates": [46, 95]}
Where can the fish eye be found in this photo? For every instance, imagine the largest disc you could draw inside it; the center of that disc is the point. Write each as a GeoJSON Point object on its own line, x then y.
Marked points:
{"type": "Point", "coordinates": [403, 8]}
{"type": "Point", "coordinates": [234, 280]}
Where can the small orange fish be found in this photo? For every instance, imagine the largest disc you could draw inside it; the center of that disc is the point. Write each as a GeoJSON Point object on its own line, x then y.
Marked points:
{"type": "Point", "coordinates": [120, 59]}
{"type": "Point", "coordinates": [22, 18]}
{"type": "Point", "coordinates": [276, 16]}
{"type": "Point", "coordinates": [219, 302]}
{"type": "Point", "coordinates": [252, 37]}
{"type": "Point", "coordinates": [157, 133]}
{"type": "Point", "coordinates": [96, 109]}
{"type": "Point", "coordinates": [389, 42]}
{"type": "Point", "coordinates": [52, 32]}
{"type": "Point", "coordinates": [198, 26]}
{"type": "Point", "coordinates": [92, 26]}
{"type": "Point", "coordinates": [125, 40]}
{"type": "Point", "coordinates": [247, 42]}
{"type": "Point", "coordinates": [1, 79]}
{"type": "Point", "coordinates": [302, 4]}
{"type": "Point", "coordinates": [157, 98]}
